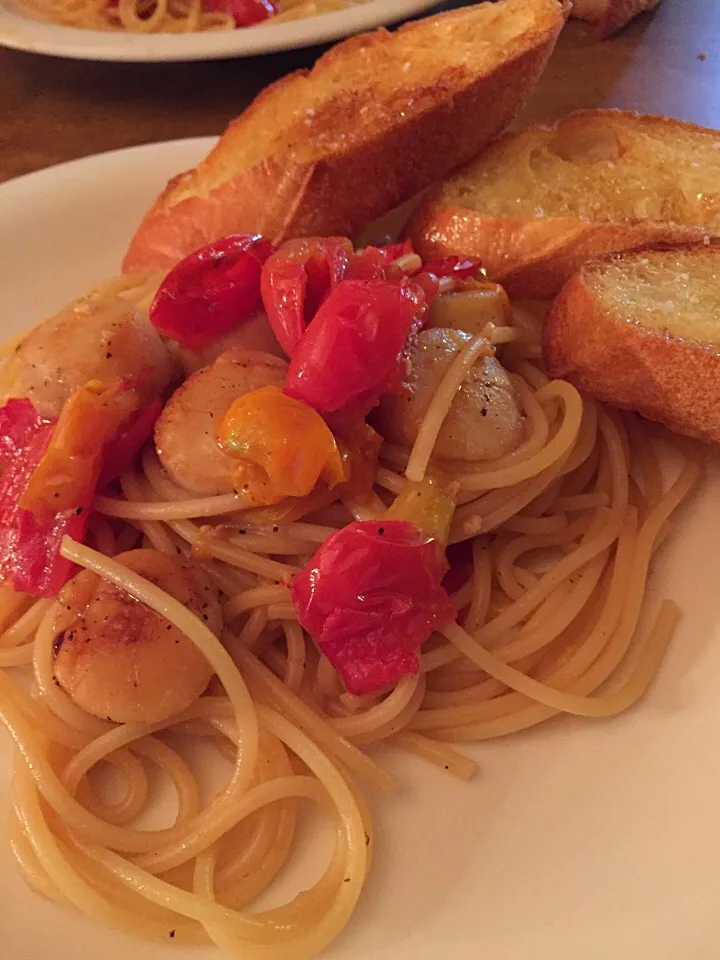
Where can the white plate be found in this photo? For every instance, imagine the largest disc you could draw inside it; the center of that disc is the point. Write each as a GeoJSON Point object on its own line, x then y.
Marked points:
{"type": "Point", "coordinates": [19, 30]}
{"type": "Point", "coordinates": [580, 840]}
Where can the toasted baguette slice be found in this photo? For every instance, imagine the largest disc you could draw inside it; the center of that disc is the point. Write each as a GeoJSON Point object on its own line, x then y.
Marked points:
{"type": "Point", "coordinates": [642, 330]}
{"type": "Point", "coordinates": [610, 16]}
{"type": "Point", "coordinates": [543, 200]}
{"type": "Point", "coordinates": [377, 119]}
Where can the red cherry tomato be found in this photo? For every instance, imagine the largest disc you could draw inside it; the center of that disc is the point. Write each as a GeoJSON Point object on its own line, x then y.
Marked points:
{"type": "Point", "coordinates": [30, 559]}
{"type": "Point", "coordinates": [370, 597]}
{"type": "Point", "coordinates": [120, 452]}
{"type": "Point", "coordinates": [296, 279]}
{"type": "Point", "coordinates": [245, 13]}
{"type": "Point", "coordinates": [373, 262]}
{"type": "Point", "coordinates": [351, 353]}
{"type": "Point", "coordinates": [212, 290]}
{"type": "Point", "coordinates": [461, 268]}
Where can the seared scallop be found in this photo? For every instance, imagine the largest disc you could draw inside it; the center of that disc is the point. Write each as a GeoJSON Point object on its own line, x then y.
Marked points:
{"type": "Point", "coordinates": [484, 421]}
{"type": "Point", "coordinates": [91, 339]}
{"type": "Point", "coordinates": [120, 660]}
{"type": "Point", "coordinates": [186, 432]}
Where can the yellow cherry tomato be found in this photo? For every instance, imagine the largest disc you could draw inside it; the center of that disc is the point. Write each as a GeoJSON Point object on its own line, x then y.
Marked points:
{"type": "Point", "coordinates": [429, 505]}
{"type": "Point", "coordinates": [282, 445]}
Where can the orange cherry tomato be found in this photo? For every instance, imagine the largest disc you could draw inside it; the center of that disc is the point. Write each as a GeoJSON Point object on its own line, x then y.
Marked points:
{"type": "Point", "coordinates": [282, 445]}
{"type": "Point", "coordinates": [68, 470]}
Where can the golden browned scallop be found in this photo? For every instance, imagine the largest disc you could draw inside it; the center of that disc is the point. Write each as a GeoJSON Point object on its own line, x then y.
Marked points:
{"type": "Point", "coordinates": [186, 432]}
{"type": "Point", "coordinates": [471, 310]}
{"type": "Point", "coordinates": [120, 660]}
{"type": "Point", "coordinates": [103, 338]}
{"type": "Point", "coordinates": [484, 422]}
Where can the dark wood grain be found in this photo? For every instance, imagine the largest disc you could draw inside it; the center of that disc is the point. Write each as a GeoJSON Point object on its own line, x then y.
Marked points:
{"type": "Point", "coordinates": [53, 110]}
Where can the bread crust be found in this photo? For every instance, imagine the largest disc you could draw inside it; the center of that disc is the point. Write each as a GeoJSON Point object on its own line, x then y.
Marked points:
{"type": "Point", "coordinates": [612, 15]}
{"type": "Point", "coordinates": [663, 377]}
{"type": "Point", "coordinates": [368, 167]}
{"type": "Point", "coordinates": [532, 259]}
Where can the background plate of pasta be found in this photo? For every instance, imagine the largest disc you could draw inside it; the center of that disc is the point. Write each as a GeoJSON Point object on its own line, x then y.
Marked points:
{"type": "Point", "coordinates": [158, 30]}
{"type": "Point", "coordinates": [582, 837]}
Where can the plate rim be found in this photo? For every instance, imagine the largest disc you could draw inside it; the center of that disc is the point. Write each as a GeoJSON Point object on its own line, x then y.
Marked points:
{"type": "Point", "coordinates": [21, 32]}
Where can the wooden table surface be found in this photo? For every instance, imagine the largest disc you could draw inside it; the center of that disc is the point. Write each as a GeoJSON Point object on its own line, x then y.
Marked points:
{"type": "Point", "coordinates": [53, 110]}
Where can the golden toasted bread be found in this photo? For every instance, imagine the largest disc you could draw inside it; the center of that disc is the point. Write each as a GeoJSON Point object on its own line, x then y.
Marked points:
{"type": "Point", "coordinates": [377, 119]}
{"type": "Point", "coordinates": [543, 200]}
{"type": "Point", "coordinates": [610, 16]}
{"type": "Point", "coordinates": [641, 330]}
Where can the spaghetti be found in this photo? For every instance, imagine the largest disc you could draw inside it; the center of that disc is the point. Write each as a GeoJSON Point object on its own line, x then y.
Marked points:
{"type": "Point", "coordinates": [560, 534]}
{"type": "Point", "coordinates": [165, 16]}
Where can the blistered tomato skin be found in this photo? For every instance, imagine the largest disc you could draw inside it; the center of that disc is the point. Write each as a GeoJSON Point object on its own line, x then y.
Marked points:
{"type": "Point", "coordinates": [283, 447]}
{"type": "Point", "coordinates": [370, 597]}
{"type": "Point", "coordinates": [372, 263]}
{"type": "Point", "coordinates": [352, 352]}
{"type": "Point", "coordinates": [211, 291]}
{"type": "Point", "coordinates": [296, 280]}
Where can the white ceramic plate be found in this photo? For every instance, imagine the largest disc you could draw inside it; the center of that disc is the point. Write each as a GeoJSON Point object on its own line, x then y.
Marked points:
{"type": "Point", "coordinates": [580, 840]}
{"type": "Point", "coordinates": [20, 31]}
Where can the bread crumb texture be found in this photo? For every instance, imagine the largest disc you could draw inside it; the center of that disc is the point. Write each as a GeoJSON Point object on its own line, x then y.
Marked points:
{"type": "Point", "coordinates": [597, 166]}
{"type": "Point", "coordinates": [671, 292]}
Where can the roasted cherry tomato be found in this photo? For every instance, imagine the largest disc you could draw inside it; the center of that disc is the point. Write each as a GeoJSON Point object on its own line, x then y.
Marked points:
{"type": "Point", "coordinates": [283, 447]}
{"type": "Point", "coordinates": [461, 268]}
{"type": "Point", "coordinates": [245, 13]}
{"type": "Point", "coordinates": [428, 504]}
{"type": "Point", "coordinates": [120, 452]}
{"type": "Point", "coordinates": [212, 290]}
{"type": "Point", "coordinates": [68, 471]}
{"type": "Point", "coordinates": [351, 354]}
{"type": "Point", "coordinates": [370, 597]}
{"type": "Point", "coordinates": [30, 559]}
{"type": "Point", "coordinates": [50, 471]}
{"type": "Point", "coordinates": [296, 280]}
{"type": "Point", "coordinates": [372, 262]}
